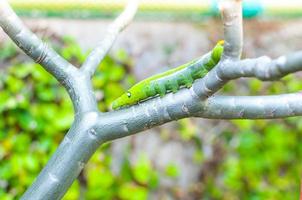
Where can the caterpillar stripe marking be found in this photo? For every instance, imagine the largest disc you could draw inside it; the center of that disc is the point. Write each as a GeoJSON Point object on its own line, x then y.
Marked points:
{"type": "Point", "coordinates": [171, 80]}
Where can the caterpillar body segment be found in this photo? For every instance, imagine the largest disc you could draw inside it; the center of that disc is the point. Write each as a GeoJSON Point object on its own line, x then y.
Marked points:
{"type": "Point", "coordinates": [171, 80]}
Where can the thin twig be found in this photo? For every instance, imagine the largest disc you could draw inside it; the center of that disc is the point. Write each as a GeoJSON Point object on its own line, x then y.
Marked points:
{"type": "Point", "coordinates": [39, 51]}
{"type": "Point", "coordinates": [263, 67]}
{"type": "Point", "coordinates": [98, 54]}
{"type": "Point", "coordinates": [252, 107]}
{"type": "Point", "coordinates": [231, 11]}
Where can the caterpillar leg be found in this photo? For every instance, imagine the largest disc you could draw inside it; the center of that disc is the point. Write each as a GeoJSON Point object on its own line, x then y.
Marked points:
{"type": "Point", "coordinates": [160, 89]}
{"type": "Point", "coordinates": [172, 85]}
{"type": "Point", "coordinates": [188, 81]}
{"type": "Point", "coordinates": [150, 91]}
{"type": "Point", "coordinates": [210, 64]}
{"type": "Point", "coordinates": [188, 85]}
{"type": "Point", "coordinates": [175, 87]}
{"type": "Point", "coordinates": [181, 80]}
{"type": "Point", "coordinates": [200, 73]}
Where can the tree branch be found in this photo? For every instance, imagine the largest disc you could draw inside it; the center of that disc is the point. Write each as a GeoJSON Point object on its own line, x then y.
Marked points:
{"type": "Point", "coordinates": [231, 11]}
{"type": "Point", "coordinates": [39, 51]}
{"type": "Point", "coordinates": [67, 162]}
{"type": "Point", "coordinates": [184, 104]}
{"type": "Point", "coordinates": [252, 107]}
{"type": "Point", "coordinates": [76, 83]}
{"type": "Point", "coordinates": [80, 142]}
{"type": "Point", "coordinates": [98, 54]}
{"type": "Point", "coordinates": [91, 129]}
{"type": "Point", "coordinates": [187, 102]}
{"type": "Point", "coordinates": [263, 67]}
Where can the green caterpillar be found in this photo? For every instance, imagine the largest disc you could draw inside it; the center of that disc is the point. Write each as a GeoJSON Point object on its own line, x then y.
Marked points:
{"type": "Point", "coordinates": [171, 80]}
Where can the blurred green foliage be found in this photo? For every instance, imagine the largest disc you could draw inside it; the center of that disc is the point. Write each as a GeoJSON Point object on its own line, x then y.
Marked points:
{"type": "Point", "coordinates": [258, 159]}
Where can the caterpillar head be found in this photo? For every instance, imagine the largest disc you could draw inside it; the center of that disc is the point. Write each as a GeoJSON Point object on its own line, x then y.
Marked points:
{"type": "Point", "coordinates": [124, 100]}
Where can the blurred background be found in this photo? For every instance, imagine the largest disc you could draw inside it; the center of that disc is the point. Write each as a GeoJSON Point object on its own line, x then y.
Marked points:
{"type": "Point", "coordinates": [188, 159]}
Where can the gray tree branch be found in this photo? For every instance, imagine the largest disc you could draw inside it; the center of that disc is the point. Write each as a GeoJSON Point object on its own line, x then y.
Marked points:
{"type": "Point", "coordinates": [98, 54]}
{"type": "Point", "coordinates": [67, 162]}
{"type": "Point", "coordinates": [231, 12]}
{"type": "Point", "coordinates": [80, 142]}
{"type": "Point", "coordinates": [81, 94]}
{"type": "Point", "coordinates": [185, 104]}
{"type": "Point", "coordinates": [263, 68]}
{"type": "Point", "coordinates": [39, 51]}
{"type": "Point", "coordinates": [252, 107]}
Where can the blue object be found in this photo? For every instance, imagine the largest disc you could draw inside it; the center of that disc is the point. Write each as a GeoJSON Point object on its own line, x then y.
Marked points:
{"type": "Point", "coordinates": [251, 8]}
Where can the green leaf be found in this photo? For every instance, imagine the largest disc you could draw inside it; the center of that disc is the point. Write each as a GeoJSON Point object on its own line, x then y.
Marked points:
{"type": "Point", "coordinates": [144, 173]}
{"type": "Point", "coordinates": [129, 191]}
{"type": "Point", "coordinates": [187, 129]}
{"type": "Point", "coordinates": [172, 171]}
